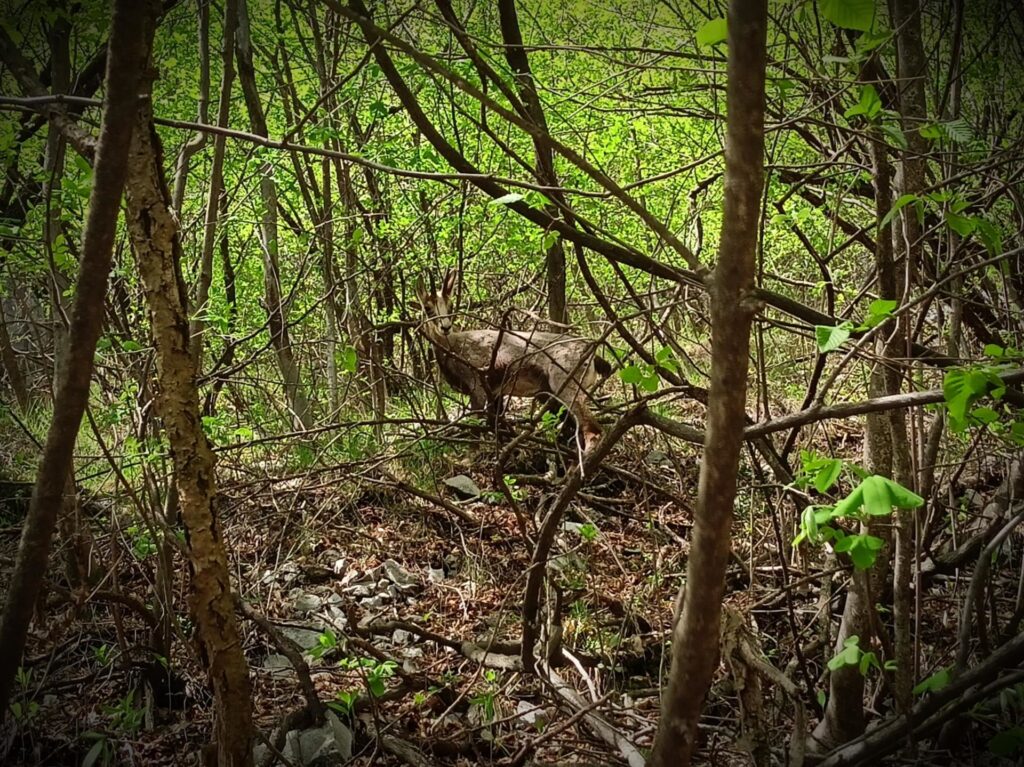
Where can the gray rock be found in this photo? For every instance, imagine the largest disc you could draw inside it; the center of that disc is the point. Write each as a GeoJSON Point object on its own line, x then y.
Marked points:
{"type": "Point", "coordinates": [324, 746]}
{"type": "Point", "coordinates": [401, 636]}
{"type": "Point", "coordinates": [277, 664]}
{"type": "Point", "coordinates": [531, 714]}
{"type": "Point", "coordinates": [401, 577]}
{"type": "Point", "coordinates": [657, 458]}
{"type": "Point", "coordinates": [307, 603]}
{"type": "Point", "coordinates": [361, 588]}
{"type": "Point", "coordinates": [303, 637]}
{"type": "Point", "coordinates": [435, 574]}
{"type": "Point", "coordinates": [463, 486]}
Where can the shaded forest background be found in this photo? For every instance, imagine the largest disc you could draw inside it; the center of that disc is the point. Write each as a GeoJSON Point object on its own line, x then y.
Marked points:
{"type": "Point", "coordinates": [278, 534]}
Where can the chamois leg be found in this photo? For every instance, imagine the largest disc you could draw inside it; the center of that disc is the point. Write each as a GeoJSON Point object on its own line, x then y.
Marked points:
{"type": "Point", "coordinates": [575, 401]}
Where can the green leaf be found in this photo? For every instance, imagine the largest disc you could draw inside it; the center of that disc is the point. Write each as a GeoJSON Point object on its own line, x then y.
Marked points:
{"type": "Point", "coordinates": [650, 383]}
{"type": "Point", "coordinates": [349, 359]}
{"type": "Point", "coordinates": [989, 235]}
{"type": "Point", "coordinates": [901, 203]}
{"type": "Point", "coordinates": [896, 136]}
{"type": "Point", "coordinates": [934, 683]}
{"type": "Point", "coordinates": [863, 549]}
{"type": "Point", "coordinates": [985, 415]}
{"type": "Point", "coordinates": [712, 33]}
{"type": "Point", "coordinates": [94, 753]}
{"type": "Point", "coordinates": [849, 14]}
{"type": "Point", "coordinates": [994, 350]}
{"type": "Point", "coordinates": [827, 475]}
{"type": "Point", "coordinates": [930, 131]}
{"type": "Point", "coordinates": [960, 388]}
{"type": "Point", "coordinates": [506, 199]}
{"type": "Point", "coordinates": [870, 40]}
{"type": "Point", "coordinates": [867, 660]}
{"type": "Point", "coordinates": [631, 375]}
{"type": "Point", "coordinates": [962, 225]}
{"type": "Point", "coordinates": [879, 311]}
{"type": "Point", "coordinates": [809, 523]}
{"type": "Point", "coordinates": [848, 656]}
{"type": "Point", "coordinates": [1007, 743]}
{"type": "Point", "coordinates": [958, 130]}
{"type": "Point", "coordinates": [831, 338]}
{"type": "Point", "coordinates": [869, 105]}
{"type": "Point", "coordinates": [131, 346]}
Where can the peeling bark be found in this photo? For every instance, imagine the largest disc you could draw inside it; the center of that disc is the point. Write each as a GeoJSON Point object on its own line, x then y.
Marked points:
{"type": "Point", "coordinates": [155, 238]}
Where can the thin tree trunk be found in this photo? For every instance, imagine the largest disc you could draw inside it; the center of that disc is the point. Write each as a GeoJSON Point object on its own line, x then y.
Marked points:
{"type": "Point", "coordinates": [554, 253]}
{"type": "Point", "coordinates": [696, 634]}
{"type": "Point", "coordinates": [130, 40]}
{"type": "Point", "coordinates": [844, 717]}
{"type": "Point", "coordinates": [216, 189]}
{"type": "Point", "coordinates": [197, 142]}
{"type": "Point", "coordinates": [9, 358]}
{"type": "Point", "coordinates": [298, 402]}
{"type": "Point", "coordinates": [155, 238]}
{"type": "Point", "coordinates": [330, 286]}
{"type": "Point", "coordinates": [911, 70]}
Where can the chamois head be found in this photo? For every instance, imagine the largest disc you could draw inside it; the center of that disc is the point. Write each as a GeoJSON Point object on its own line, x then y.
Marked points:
{"type": "Point", "coordinates": [436, 305]}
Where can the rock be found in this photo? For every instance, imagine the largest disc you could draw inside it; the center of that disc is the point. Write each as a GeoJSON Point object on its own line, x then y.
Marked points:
{"type": "Point", "coordinates": [303, 637]}
{"type": "Point", "coordinates": [277, 664]}
{"type": "Point", "coordinates": [435, 574]}
{"type": "Point", "coordinates": [307, 602]}
{"type": "Point", "coordinates": [657, 458]}
{"type": "Point", "coordinates": [402, 578]}
{"type": "Point", "coordinates": [401, 636]}
{"type": "Point", "coordinates": [532, 714]}
{"type": "Point", "coordinates": [572, 527]}
{"type": "Point", "coordinates": [336, 616]}
{"type": "Point", "coordinates": [324, 746]}
{"type": "Point", "coordinates": [361, 588]}
{"type": "Point", "coordinates": [463, 486]}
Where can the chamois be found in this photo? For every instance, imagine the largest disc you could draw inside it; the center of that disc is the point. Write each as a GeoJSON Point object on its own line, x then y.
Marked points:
{"type": "Point", "coordinates": [487, 364]}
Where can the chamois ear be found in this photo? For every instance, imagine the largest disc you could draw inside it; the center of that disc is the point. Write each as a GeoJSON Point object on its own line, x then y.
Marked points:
{"type": "Point", "coordinates": [448, 286]}
{"type": "Point", "coordinates": [421, 291]}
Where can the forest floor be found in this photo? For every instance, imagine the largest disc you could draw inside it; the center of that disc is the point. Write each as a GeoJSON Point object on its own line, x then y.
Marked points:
{"type": "Point", "coordinates": [390, 598]}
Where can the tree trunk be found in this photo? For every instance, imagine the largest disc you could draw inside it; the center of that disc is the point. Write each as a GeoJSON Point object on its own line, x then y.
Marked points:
{"type": "Point", "coordinates": [910, 73]}
{"type": "Point", "coordinates": [130, 41]}
{"type": "Point", "coordinates": [554, 253]}
{"type": "Point", "coordinates": [154, 234]}
{"type": "Point", "coordinates": [216, 189]}
{"type": "Point", "coordinates": [9, 358]}
{"type": "Point", "coordinates": [198, 141]}
{"type": "Point", "coordinates": [844, 710]}
{"type": "Point", "coordinates": [278, 315]}
{"type": "Point", "coordinates": [696, 634]}
{"type": "Point", "coordinates": [330, 286]}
